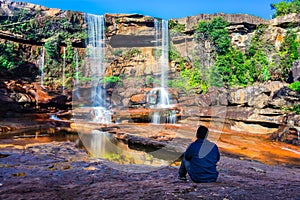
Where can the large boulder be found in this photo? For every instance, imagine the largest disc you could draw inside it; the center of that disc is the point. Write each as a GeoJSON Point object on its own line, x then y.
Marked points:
{"type": "Point", "coordinates": [242, 96]}
{"type": "Point", "coordinates": [213, 97]}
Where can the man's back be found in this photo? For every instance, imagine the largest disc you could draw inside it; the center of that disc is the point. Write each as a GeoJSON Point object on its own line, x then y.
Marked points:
{"type": "Point", "coordinates": [203, 156]}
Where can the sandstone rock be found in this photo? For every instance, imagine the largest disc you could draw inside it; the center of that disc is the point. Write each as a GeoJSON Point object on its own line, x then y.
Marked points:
{"type": "Point", "coordinates": [243, 95]}
{"type": "Point", "coordinates": [213, 96]}
{"type": "Point", "coordinates": [192, 21]}
{"type": "Point", "coordinates": [116, 100]}
{"type": "Point", "coordinates": [7, 104]}
{"type": "Point", "coordinates": [286, 20]}
{"type": "Point", "coordinates": [273, 86]}
{"type": "Point", "coordinates": [24, 98]}
{"type": "Point", "coordinates": [259, 101]}
{"type": "Point", "coordinates": [285, 97]}
{"type": "Point", "coordinates": [138, 99]}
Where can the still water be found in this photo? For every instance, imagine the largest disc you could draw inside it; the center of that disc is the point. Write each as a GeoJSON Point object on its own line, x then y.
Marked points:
{"type": "Point", "coordinates": [98, 144]}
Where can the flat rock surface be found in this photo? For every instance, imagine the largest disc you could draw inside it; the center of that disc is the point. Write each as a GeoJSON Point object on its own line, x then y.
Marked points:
{"type": "Point", "coordinates": [59, 170]}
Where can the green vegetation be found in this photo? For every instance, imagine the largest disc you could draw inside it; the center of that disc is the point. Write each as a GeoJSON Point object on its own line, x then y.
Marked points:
{"type": "Point", "coordinates": [190, 79]}
{"type": "Point", "coordinates": [52, 47]}
{"type": "Point", "coordinates": [132, 53]}
{"type": "Point", "coordinates": [110, 79]}
{"type": "Point", "coordinates": [36, 26]}
{"type": "Point", "coordinates": [150, 80]}
{"type": "Point", "coordinates": [286, 7]}
{"type": "Point", "coordinates": [288, 53]}
{"type": "Point", "coordinates": [9, 56]}
{"type": "Point", "coordinates": [231, 66]}
{"type": "Point", "coordinates": [117, 52]}
{"type": "Point", "coordinates": [215, 31]}
{"type": "Point", "coordinates": [53, 32]}
{"type": "Point", "coordinates": [295, 86]}
{"type": "Point", "coordinates": [296, 109]}
{"type": "Point", "coordinates": [234, 68]}
{"type": "Point", "coordinates": [175, 26]}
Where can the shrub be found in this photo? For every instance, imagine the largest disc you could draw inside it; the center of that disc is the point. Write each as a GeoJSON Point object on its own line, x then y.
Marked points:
{"type": "Point", "coordinates": [295, 86]}
{"type": "Point", "coordinates": [296, 109]}
{"type": "Point", "coordinates": [110, 79]}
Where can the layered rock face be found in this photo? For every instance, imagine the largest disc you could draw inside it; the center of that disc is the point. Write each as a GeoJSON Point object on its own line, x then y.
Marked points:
{"type": "Point", "coordinates": [131, 48]}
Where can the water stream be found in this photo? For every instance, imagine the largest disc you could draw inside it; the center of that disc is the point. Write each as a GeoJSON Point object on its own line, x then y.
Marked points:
{"type": "Point", "coordinates": [42, 66]}
{"type": "Point", "coordinates": [64, 69]}
{"type": "Point", "coordinates": [96, 61]}
{"type": "Point", "coordinates": [101, 145]}
{"type": "Point", "coordinates": [159, 98]}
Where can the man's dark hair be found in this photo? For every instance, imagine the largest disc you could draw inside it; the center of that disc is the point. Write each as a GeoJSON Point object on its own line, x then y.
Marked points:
{"type": "Point", "coordinates": [202, 132]}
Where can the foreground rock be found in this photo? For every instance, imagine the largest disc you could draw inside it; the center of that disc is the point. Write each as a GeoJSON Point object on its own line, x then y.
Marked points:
{"type": "Point", "coordinates": [61, 171]}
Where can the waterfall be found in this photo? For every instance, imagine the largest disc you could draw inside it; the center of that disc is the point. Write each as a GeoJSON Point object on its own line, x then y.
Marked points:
{"type": "Point", "coordinates": [42, 66]}
{"type": "Point", "coordinates": [64, 71]}
{"type": "Point", "coordinates": [157, 39]}
{"type": "Point", "coordinates": [96, 61]}
{"type": "Point", "coordinates": [164, 53]}
{"type": "Point", "coordinates": [159, 98]}
{"type": "Point", "coordinates": [76, 67]}
{"type": "Point", "coordinates": [77, 83]}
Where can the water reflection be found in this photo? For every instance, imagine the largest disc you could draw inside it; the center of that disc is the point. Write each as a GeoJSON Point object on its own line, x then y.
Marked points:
{"type": "Point", "coordinates": [25, 138]}
{"type": "Point", "coordinates": [102, 145]}
{"type": "Point", "coordinates": [98, 144]}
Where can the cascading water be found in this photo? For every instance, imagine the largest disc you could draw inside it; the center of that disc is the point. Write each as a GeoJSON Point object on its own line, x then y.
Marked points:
{"type": "Point", "coordinates": [42, 66]}
{"type": "Point", "coordinates": [64, 71]}
{"type": "Point", "coordinates": [161, 94]}
{"type": "Point", "coordinates": [96, 60]}
{"type": "Point", "coordinates": [164, 53]}
{"type": "Point", "coordinates": [77, 66]}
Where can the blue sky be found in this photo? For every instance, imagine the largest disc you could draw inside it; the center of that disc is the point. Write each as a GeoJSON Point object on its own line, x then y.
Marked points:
{"type": "Point", "coordinates": [164, 9]}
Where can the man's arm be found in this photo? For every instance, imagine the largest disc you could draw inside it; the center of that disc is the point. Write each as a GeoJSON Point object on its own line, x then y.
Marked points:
{"type": "Point", "coordinates": [218, 153]}
{"type": "Point", "coordinates": [188, 153]}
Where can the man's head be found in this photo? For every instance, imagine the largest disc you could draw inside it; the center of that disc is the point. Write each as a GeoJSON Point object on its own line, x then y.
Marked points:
{"type": "Point", "coordinates": [202, 132]}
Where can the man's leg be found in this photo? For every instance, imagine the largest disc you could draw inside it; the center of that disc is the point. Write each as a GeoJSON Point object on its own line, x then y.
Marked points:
{"type": "Point", "coordinates": [183, 169]}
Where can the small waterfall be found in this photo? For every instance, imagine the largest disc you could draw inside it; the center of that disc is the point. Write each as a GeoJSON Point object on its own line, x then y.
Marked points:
{"type": "Point", "coordinates": [172, 118]}
{"type": "Point", "coordinates": [42, 66]}
{"type": "Point", "coordinates": [96, 59]}
{"type": "Point", "coordinates": [64, 71]}
{"type": "Point", "coordinates": [156, 118]}
{"type": "Point", "coordinates": [76, 67]}
{"type": "Point", "coordinates": [159, 100]}
{"type": "Point", "coordinates": [77, 83]}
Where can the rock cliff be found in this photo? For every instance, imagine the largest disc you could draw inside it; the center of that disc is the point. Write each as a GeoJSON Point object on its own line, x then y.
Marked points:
{"type": "Point", "coordinates": [130, 54]}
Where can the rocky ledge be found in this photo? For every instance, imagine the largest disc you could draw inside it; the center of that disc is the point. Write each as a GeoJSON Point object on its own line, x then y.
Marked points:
{"type": "Point", "coordinates": [61, 171]}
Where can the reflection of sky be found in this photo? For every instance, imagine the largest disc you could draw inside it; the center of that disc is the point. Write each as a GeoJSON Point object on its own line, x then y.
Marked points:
{"type": "Point", "coordinates": [163, 9]}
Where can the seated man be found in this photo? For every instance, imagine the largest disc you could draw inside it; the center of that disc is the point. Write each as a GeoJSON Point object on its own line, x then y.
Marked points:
{"type": "Point", "coordinates": [200, 159]}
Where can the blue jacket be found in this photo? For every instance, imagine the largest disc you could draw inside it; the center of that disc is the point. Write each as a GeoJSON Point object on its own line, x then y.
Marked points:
{"type": "Point", "coordinates": [203, 156]}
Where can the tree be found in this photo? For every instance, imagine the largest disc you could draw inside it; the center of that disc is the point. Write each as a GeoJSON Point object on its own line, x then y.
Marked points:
{"type": "Point", "coordinates": [286, 7]}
